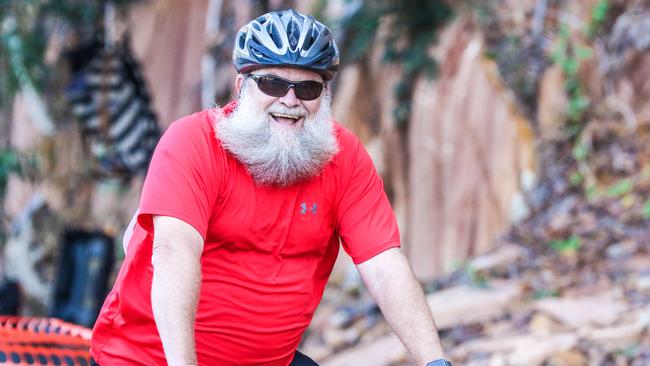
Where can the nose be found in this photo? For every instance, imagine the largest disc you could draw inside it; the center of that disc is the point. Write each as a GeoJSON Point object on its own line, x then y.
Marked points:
{"type": "Point", "coordinates": [290, 99]}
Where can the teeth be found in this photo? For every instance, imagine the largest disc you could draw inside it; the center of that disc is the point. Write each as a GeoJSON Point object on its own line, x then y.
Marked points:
{"type": "Point", "coordinates": [284, 115]}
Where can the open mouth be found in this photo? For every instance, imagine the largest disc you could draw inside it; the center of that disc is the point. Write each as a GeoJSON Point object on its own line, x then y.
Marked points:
{"type": "Point", "coordinates": [287, 119]}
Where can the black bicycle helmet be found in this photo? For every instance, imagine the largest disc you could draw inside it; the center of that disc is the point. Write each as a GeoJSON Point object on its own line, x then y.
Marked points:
{"type": "Point", "coordinates": [286, 38]}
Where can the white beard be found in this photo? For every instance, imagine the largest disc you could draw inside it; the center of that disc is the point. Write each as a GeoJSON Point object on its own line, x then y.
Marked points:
{"type": "Point", "coordinates": [276, 155]}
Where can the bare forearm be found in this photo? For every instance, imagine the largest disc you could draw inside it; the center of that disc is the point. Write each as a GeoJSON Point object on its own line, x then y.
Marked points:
{"type": "Point", "coordinates": [392, 284]}
{"type": "Point", "coordinates": [174, 295]}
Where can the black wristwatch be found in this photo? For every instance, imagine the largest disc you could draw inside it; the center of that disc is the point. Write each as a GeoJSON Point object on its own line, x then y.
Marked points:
{"type": "Point", "coordinates": [440, 362]}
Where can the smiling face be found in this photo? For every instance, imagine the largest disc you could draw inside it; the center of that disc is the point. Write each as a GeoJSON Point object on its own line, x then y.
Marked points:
{"type": "Point", "coordinates": [288, 110]}
{"type": "Point", "coordinates": [280, 140]}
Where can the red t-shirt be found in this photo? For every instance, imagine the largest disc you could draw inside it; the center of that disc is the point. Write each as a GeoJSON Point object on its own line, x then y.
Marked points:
{"type": "Point", "coordinates": [268, 251]}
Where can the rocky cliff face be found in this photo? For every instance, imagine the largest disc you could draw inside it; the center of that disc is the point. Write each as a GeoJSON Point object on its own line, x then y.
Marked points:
{"type": "Point", "coordinates": [455, 173]}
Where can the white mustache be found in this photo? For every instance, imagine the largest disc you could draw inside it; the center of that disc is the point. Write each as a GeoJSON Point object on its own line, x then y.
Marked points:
{"type": "Point", "coordinates": [295, 112]}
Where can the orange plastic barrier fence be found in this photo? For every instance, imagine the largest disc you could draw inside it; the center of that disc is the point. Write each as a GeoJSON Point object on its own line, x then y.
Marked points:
{"type": "Point", "coordinates": [43, 341]}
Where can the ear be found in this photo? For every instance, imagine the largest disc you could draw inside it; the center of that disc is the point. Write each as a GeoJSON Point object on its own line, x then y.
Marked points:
{"type": "Point", "coordinates": [239, 82]}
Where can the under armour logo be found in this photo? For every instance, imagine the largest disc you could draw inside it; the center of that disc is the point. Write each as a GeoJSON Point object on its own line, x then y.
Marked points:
{"type": "Point", "coordinates": [304, 208]}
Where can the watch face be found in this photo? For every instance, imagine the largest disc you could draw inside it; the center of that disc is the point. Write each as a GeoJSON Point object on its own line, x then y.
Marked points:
{"type": "Point", "coordinates": [440, 362]}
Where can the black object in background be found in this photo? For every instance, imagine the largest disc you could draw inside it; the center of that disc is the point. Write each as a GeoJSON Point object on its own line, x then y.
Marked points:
{"type": "Point", "coordinates": [9, 297]}
{"type": "Point", "coordinates": [82, 282]}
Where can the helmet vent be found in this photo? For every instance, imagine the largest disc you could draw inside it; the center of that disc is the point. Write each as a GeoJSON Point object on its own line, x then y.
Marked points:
{"type": "Point", "coordinates": [309, 40]}
{"type": "Point", "coordinates": [272, 30]}
{"type": "Point", "coordinates": [293, 34]}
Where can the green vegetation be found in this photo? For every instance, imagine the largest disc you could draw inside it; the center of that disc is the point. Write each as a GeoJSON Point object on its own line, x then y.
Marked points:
{"type": "Point", "coordinates": [542, 293]}
{"type": "Point", "coordinates": [412, 29]}
{"type": "Point", "coordinates": [8, 164]}
{"type": "Point", "coordinates": [569, 55]}
{"type": "Point", "coordinates": [571, 244]}
{"type": "Point", "coordinates": [580, 152]}
{"type": "Point", "coordinates": [576, 179]}
{"type": "Point", "coordinates": [620, 188]}
{"type": "Point", "coordinates": [598, 16]}
{"type": "Point", "coordinates": [24, 29]}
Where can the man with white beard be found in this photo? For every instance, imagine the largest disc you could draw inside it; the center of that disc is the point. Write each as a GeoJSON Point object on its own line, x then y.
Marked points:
{"type": "Point", "coordinates": [276, 153]}
{"type": "Point", "coordinates": [241, 217]}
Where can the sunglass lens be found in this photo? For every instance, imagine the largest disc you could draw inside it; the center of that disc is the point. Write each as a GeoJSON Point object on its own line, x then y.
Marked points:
{"type": "Point", "coordinates": [278, 87]}
{"type": "Point", "coordinates": [272, 86]}
{"type": "Point", "coordinates": [308, 90]}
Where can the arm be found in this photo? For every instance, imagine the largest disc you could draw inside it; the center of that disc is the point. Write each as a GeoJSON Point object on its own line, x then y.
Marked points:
{"type": "Point", "coordinates": [393, 286]}
{"type": "Point", "coordinates": [176, 261]}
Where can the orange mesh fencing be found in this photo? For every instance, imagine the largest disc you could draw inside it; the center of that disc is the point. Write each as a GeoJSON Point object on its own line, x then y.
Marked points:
{"type": "Point", "coordinates": [43, 341]}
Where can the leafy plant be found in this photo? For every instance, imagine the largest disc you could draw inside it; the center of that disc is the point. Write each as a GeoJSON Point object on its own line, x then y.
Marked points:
{"type": "Point", "coordinates": [8, 163]}
{"type": "Point", "coordinates": [569, 56]}
{"type": "Point", "coordinates": [619, 189]}
{"type": "Point", "coordinates": [542, 293]}
{"type": "Point", "coordinates": [576, 178]}
{"type": "Point", "coordinates": [472, 276]}
{"type": "Point", "coordinates": [598, 16]}
{"type": "Point", "coordinates": [25, 27]}
{"type": "Point", "coordinates": [412, 29]}
{"type": "Point", "coordinates": [571, 244]}
{"type": "Point", "coordinates": [580, 152]}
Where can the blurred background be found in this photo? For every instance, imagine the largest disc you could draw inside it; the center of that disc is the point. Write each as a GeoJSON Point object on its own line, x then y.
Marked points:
{"type": "Point", "coordinates": [513, 138]}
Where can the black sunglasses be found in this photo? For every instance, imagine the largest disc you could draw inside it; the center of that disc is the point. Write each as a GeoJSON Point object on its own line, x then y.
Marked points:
{"type": "Point", "coordinates": [276, 86]}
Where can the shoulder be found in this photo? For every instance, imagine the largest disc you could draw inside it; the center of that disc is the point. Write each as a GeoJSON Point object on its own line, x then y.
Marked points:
{"type": "Point", "coordinates": [348, 142]}
{"type": "Point", "coordinates": [195, 132]}
{"type": "Point", "coordinates": [194, 125]}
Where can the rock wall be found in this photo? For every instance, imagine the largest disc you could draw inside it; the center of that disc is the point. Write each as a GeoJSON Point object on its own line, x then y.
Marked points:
{"type": "Point", "coordinates": [469, 149]}
{"type": "Point", "coordinates": [168, 38]}
{"type": "Point", "coordinates": [455, 174]}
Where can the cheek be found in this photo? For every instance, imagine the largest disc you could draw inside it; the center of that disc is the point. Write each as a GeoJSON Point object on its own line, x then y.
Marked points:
{"type": "Point", "coordinates": [312, 106]}
{"type": "Point", "coordinates": [261, 100]}
{"type": "Point", "coordinates": [266, 101]}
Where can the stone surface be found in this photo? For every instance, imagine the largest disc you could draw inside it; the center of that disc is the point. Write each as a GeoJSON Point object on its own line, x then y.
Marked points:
{"type": "Point", "coordinates": [500, 257]}
{"type": "Point", "coordinates": [379, 352]}
{"type": "Point", "coordinates": [623, 335]}
{"type": "Point", "coordinates": [553, 103]}
{"type": "Point", "coordinates": [168, 39]}
{"type": "Point", "coordinates": [465, 305]}
{"type": "Point", "coordinates": [535, 351]}
{"type": "Point", "coordinates": [542, 324]}
{"type": "Point", "coordinates": [568, 358]}
{"type": "Point", "coordinates": [501, 345]}
{"type": "Point", "coordinates": [472, 147]}
{"type": "Point", "coordinates": [580, 312]}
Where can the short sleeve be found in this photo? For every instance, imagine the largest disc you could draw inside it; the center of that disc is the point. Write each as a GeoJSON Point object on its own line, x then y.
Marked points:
{"type": "Point", "coordinates": [181, 180]}
{"type": "Point", "coordinates": [366, 222]}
